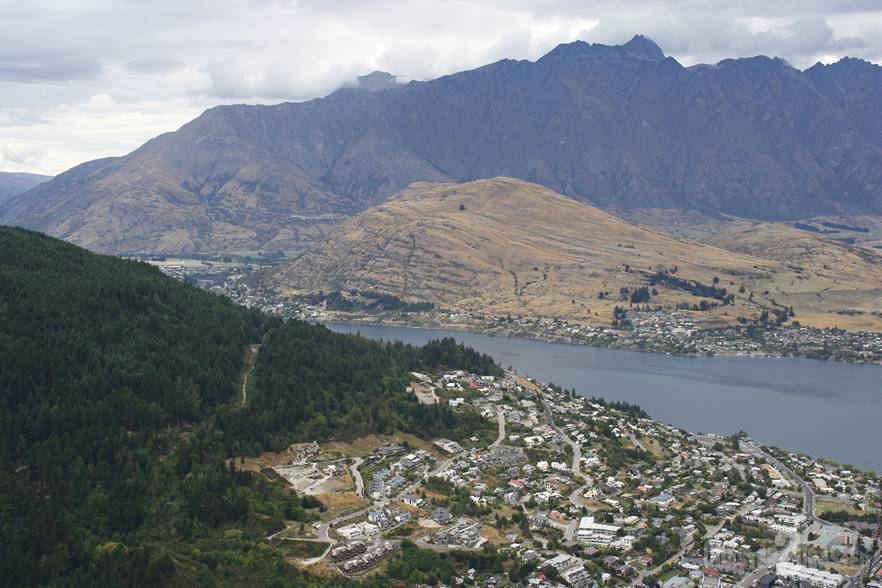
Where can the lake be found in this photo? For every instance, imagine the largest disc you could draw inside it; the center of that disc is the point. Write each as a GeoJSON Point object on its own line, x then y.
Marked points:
{"type": "Point", "coordinates": [825, 409]}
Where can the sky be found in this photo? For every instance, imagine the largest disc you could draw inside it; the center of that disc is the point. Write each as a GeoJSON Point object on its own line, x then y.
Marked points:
{"type": "Point", "coordinates": [83, 79]}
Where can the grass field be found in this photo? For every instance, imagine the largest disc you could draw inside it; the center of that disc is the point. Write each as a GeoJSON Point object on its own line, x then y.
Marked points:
{"type": "Point", "coordinates": [303, 549]}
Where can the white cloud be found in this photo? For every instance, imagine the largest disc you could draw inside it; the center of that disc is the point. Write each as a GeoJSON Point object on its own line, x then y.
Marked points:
{"type": "Point", "coordinates": [69, 134]}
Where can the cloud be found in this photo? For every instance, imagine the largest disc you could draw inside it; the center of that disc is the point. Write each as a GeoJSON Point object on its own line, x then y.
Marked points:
{"type": "Point", "coordinates": [156, 65]}
{"type": "Point", "coordinates": [515, 45]}
{"type": "Point", "coordinates": [18, 116]}
{"type": "Point", "coordinates": [285, 79]}
{"type": "Point", "coordinates": [50, 72]}
{"type": "Point", "coordinates": [707, 38]}
{"type": "Point", "coordinates": [68, 134]}
{"type": "Point", "coordinates": [227, 80]}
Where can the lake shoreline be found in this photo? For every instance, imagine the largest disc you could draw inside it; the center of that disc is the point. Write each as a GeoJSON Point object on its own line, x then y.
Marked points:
{"type": "Point", "coordinates": [459, 327]}
{"type": "Point", "coordinates": [822, 408]}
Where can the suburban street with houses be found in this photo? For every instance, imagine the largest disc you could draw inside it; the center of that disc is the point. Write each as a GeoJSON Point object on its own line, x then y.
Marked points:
{"type": "Point", "coordinates": [593, 494]}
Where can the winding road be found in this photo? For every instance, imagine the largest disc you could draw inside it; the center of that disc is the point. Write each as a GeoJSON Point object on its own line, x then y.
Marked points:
{"type": "Point", "coordinates": [576, 468]}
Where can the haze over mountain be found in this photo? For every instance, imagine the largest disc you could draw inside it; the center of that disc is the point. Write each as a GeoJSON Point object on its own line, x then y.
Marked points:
{"type": "Point", "coordinates": [623, 127]}
{"type": "Point", "coordinates": [505, 246]}
{"type": "Point", "coordinates": [13, 184]}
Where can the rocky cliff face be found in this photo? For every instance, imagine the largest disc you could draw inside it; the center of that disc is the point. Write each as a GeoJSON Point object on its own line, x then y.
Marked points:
{"type": "Point", "coordinates": [619, 126]}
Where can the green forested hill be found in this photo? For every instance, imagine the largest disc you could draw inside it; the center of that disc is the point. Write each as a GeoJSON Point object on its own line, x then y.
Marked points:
{"type": "Point", "coordinates": [89, 340]}
{"type": "Point", "coordinates": [119, 411]}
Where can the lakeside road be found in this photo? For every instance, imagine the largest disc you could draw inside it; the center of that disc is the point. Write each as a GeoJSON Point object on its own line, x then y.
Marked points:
{"type": "Point", "coordinates": [738, 343]}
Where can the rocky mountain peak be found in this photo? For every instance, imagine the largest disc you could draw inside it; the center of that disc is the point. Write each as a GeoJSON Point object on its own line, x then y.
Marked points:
{"type": "Point", "coordinates": [375, 81]}
{"type": "Point", "coordinates": [643, 48]}
{"type": "Point", "coordinates": [639, 47]}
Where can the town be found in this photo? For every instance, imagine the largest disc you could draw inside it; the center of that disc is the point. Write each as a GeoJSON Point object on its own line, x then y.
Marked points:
{"type": "Point", "coordinates": [567, 491]}
{"type": "Point", "coordinates": [675, 332]}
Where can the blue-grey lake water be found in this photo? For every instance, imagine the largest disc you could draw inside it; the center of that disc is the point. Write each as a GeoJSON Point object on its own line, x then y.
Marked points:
{"type": "Point", "coordinates": [825, 409]}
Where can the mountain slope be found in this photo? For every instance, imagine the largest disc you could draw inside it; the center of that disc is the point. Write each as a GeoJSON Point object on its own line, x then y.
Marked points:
{"type": "Point", "coordinates": [507, 246]}
{"type": "Point", "coordinates": [501, 246]}
{"type": "Point", "coordinates": [120, 413]}
{"type": "Point", "coordinates": [620, 126]}
{"type": "Point", "coordinates": [839, 285]}
{"type": "Point", "coordinates": [13, 184]}
{"type": "Point", "coordinates": [814, 252]}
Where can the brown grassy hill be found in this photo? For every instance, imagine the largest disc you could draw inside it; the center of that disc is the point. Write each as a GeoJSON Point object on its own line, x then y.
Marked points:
{"type": "Point", "coordinates": [837, 284]}
{"type": "Point", "coordinates": [508, 246]}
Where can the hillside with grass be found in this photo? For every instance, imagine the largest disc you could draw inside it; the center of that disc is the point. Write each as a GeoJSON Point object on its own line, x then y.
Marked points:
{"type": "Point", "coordinates": [837, 283]}
{"type": "Point", "coordinates": [504, 246]}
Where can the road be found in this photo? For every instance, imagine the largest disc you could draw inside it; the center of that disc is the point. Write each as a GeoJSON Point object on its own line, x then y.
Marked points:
{"type": "Point", "coordinates": [577, 496]}
{"type": "Point", "coordinates": [793, 543]}
{"type": "Point", "coordinates": [500, 418]}
{"type": "Point", "coordinates": [570, 531]}
{"type": "Point", "coordinates": [321, 539]}
{"type": "Point", "coordinates": [808, 508]}
{"type": "Point", "coordinates": [323, 529]}
{"type": "Point", "coordinates": [576, 468]}
{"type": "Point", "coordinates": [250, 362]}
{"type": "Point", "coordinates": [808, 502]}
{"type": "Point", "coordinates": [633, 438]}
{"type": "Point", "coordinates": [356, 475]}
{"type": "Point", "coordinates": [796, 540]}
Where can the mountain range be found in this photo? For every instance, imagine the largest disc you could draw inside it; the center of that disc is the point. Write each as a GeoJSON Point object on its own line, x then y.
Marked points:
{"type": "Point", "coordinates": [12, 184]}
{"type": "Point", "coordinates": [623, 127]}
